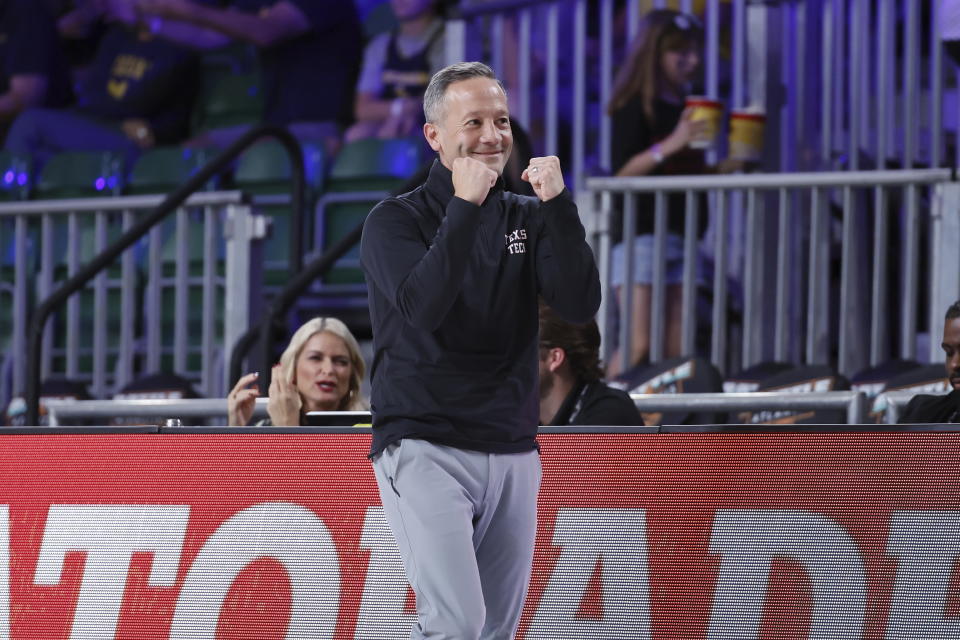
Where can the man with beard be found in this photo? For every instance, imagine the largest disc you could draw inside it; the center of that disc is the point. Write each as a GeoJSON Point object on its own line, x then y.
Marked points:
{"type": "Point", "coordinates": [454, 269]}
{"type": "Point", "coordinates": [571, 388]}
{"type": "Point", "coordinates": [928, 409]}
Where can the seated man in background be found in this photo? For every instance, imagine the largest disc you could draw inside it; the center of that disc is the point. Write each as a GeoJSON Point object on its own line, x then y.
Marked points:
{"type": "Point", "coordinates": [926, 409]}
{"type": "Point", "coordinates": [571, 388]}
{"type": "Point", "coordinates": [34, 71]}
{"type": "Point", "coordinates": [397, 66]}
{"type": "Point", "coordinates": [309, 56]}
{"type": "Point", "coordinates": [138, 93]}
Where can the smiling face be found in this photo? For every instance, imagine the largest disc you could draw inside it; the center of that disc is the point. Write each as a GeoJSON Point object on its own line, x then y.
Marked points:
{"type": "Point", "coordinates": [474, 123]}
{"type": "Point", "coordinates": [951, 348]}
{"type": "Point", "coordinates": [323, 372]}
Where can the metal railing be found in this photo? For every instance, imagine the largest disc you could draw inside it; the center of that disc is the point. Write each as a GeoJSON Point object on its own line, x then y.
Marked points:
{"type": "Point", "coordinates": [826, 74]}
{"type": "Point", "coordinates": [134, 230]}
{"type": "Point", "coordinates": [783, 255]}
{"type": "Point", "coordinates": [854, 403]}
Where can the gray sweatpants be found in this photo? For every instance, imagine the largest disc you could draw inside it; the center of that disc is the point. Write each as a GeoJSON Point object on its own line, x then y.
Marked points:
{"type": "Point", "coordinates": [465, 523]}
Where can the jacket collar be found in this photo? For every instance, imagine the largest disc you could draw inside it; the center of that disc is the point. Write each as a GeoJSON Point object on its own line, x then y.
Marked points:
{"type": "Point", "coordinates": [440, 183]}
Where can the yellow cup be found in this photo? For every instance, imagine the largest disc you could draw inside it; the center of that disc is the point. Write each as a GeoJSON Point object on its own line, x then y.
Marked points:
{"type": "Point", "coordinates": [709, 111]}
{"type": "Point", "coordinates": [746, 134]}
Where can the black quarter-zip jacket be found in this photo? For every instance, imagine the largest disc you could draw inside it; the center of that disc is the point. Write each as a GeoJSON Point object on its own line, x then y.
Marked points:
{"type": "Point", "coordinates": [453, 299]}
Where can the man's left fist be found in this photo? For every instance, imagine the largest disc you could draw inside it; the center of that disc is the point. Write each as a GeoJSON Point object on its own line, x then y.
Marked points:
{"type": "Point", "coordinates": [545, 177]}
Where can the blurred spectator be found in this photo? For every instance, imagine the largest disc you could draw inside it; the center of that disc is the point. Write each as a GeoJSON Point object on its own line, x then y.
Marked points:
{"type": "Point", "coordinates": [138, 93]}
{"type": "Point", "coordinates": [651, 133]}
{"type": "Point", "coordinates": [309, 57]}
{"type": "Point", "coordinates": [61, 389]}
{"type": "Point", "coordinates": [320, 370]}
{"type": "Point", "coordinates": [927, 409]}
{"type": "Point", "coordinates": [571, 388]}
{"type": "Point", "coordinates": [396, 69]}
{"type": "Point", "coordinates": [34, 72]}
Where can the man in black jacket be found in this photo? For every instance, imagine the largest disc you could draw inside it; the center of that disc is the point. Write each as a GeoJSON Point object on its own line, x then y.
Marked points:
{"type": "Point", "coordinates": [454, 269]}
{"type": "Point", "coordinates": [571, 386]}
{"type": "Point", "coordinates": [943, 409]}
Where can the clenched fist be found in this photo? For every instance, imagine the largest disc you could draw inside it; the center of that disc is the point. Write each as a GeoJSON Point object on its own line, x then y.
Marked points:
{"type": "Point", "coordinates": [545, 177]}
{"type": "Point", "coordinates": [472, 180]}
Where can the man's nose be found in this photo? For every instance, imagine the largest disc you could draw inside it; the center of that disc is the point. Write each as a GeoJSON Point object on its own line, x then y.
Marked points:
{"type": "Point", "coordinates": [489, 133]}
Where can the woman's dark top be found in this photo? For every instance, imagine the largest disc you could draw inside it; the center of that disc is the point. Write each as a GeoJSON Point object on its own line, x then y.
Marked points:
{"type": "Point", "coordinates": [632, 133]}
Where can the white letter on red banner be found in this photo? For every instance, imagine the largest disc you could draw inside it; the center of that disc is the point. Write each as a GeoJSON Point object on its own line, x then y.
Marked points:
{"type": "Point", "coordinates": [290, 534]}
{"type": "Point", "coordinates": [749, 540]}
{"type": "Point", "coordinates": [618, 537]}
{"type": "Point", "coordinates": [110, 534]}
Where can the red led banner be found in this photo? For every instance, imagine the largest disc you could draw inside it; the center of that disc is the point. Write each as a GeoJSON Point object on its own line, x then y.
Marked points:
{"type": "Point", "coordinates": [641, 536]}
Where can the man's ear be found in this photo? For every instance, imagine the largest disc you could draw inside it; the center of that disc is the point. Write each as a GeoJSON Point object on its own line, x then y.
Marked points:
{"type": "Point", "coordinates": [555, 358]}
{"type": "Point", "coordinates": [432, 134]}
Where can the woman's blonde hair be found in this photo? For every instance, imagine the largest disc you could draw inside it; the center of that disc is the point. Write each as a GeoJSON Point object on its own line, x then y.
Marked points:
{"type": "Point", "coordinates": [288, 361]}
{"type": "Point", "coordinates": [661, 30]}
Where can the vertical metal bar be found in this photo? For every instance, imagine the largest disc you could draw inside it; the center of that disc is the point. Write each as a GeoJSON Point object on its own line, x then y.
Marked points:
{"type": "Point", "coordinates": [784, 261]}
{"type": "Point", "coordinates": [73, 304]}
{"type": "Point", "coordinates": [180, 291]}
{"type": "Point", "coordinates": [45, 288]}
{"type": "Point", "coordinates": [602, 244]}
{"type": "Point", "coordinates": [455, 40]}
{"type": "Point", "coordinates": [633, 20]}
{"type": "Point", "coordinates": [238, 232]}
{"type": "Point", "coordinates": [826, 86]}
{"type": "Point", "coordinates": [849, 313]}
{"type": "Point", "coordinates": [154, 319]}
{"type": "Point", "coordinates": [908, 336]}
{"type": "Point", "coordinates": [525, 88]}
{"type": "Point", "coordinates": [658, 294]}
{"type": "Point", "coordinates": [879, 308]}
{"type": "Point", "coordinates": [839, 79]}
{"type": "Point", "coordinates": [855, 70]}
{"type": "Point", "coordinates": [884, 81]}
{"type": "Point", "coordinates": [579, 90]}
{"type": "Point", "coordinates": [818, 285]}
{"type": "Point", "coordinates": [936, 90]}
{"type": "Point", "coordinates": [209, 301]}
{"type": "Point", "coordinates": [910, 85]}
{"type": "Point", "coordinates": [752, 285]}
{"type": "Point", "coordinates": [688, 326]}
{"type": "Point", "coordinates": [496, 42]}
{"type": "Point", "coordinates": [739, 53]}
{"type": "Point", "coordinates": [19, 310]}
{"type": "Point", "coordinates": [552, 84]}
{"type": "Point", "coordinates": [627, 290]}
{"type": "Point", "coordinates": [606, 78]}
{"type": "Point", "coordinates": [788, 106]}
{"type": "Point", "coordinates": [686, 6]}
{"type": "Point", "coordinates": [713, 48]}
{"type": "Point", "coordinates": [127, 309]}
{"type": "Point", "coordinates": [718, 353]}
{"type": "Point", "coordinates": [99, 310]}
{"type": "Point", "coordinates": [799, 80]}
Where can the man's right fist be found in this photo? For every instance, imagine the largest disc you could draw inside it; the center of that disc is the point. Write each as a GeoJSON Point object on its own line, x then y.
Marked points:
{"type": "Point", "coordinates": [472, 180]}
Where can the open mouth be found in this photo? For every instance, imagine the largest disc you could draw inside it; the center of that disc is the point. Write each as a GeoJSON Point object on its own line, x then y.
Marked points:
{"type": "Point", "coordinates": [328, 387]}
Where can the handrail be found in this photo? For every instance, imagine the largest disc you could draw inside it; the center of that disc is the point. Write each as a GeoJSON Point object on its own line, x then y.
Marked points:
{"type": "Point", "coordinates": [42, 312]}
{"type": "Point", "coordinates": [853, 402]}
{"type": "Point", "coordinates": [899, 177]}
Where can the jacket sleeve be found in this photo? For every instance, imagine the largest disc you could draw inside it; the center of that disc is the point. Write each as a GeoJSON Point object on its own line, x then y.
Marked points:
{"type": "Point", "coordinates": [566, 270]}
{"type": "Point", "coordinates": [421, 282]}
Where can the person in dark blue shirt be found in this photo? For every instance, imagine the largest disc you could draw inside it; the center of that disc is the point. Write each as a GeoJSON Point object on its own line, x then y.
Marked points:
{"type": "Point", "coordinates": [454, 270]}
{"type": "Point", "coordinates": [34, 72]}
{"type": "Point", "coordinates": [309, 56]}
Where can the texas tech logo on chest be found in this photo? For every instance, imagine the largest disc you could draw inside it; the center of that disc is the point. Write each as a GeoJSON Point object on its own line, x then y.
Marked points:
{"type": "Point", "coordinates": [516, 241]}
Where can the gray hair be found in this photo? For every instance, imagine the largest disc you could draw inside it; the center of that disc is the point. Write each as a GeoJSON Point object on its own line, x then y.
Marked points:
{"type": "Point", "coordinates": [437, 89]}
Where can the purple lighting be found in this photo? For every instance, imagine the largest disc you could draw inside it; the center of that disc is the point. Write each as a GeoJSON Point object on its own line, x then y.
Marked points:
{"type": "Point", "coordinates": [8, 177]}
{"type": "Point", "coordinates": [100, 184]}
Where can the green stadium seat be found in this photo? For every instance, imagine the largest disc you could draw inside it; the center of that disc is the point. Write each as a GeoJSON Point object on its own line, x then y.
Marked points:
{"type": "Point", "coordinates": [363, 167]}
{"type": "Point", "coordinates": [265, 169]}
{"type": "Point", "coordinates": [163, 169]}
{"type": "Point", "coordinates": [231, 100]}
{"type": "Point", "coordinates": [80, 174]}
